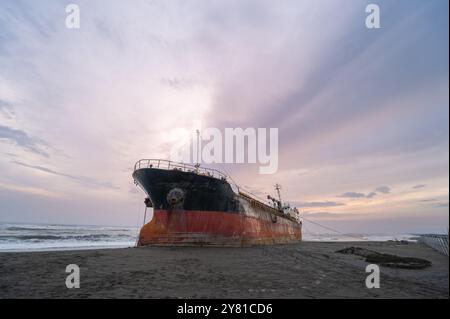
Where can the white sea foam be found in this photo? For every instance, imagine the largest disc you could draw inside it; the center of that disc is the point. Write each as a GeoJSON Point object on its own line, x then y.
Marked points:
{"type": "Point", "coordinates": [31, 237]}
{"type": "Point", "coordinates": [357, 237]}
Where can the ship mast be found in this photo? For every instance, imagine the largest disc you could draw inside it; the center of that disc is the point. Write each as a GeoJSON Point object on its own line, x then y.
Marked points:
{"type": "Point", "coordinates": [278, 187]}
{"type": "Point", "coordinates": [197, 165]}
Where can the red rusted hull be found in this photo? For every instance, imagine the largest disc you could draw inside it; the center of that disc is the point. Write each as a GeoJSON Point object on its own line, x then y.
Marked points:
{"type": "Point", "coordinates": [182, 227]}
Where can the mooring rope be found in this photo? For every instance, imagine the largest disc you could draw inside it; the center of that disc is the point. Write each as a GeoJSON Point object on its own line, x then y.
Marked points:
{"type": "Point", "coordinates": [137, 222]}
{"type": "Point", "coordinates": [332, 229]}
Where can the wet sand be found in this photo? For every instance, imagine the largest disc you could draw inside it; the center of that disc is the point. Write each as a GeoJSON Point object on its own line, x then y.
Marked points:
{"type": "Point", "coordinates": [304, 270]}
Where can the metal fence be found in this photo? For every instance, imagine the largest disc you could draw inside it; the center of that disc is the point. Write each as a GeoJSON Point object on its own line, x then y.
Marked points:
{"type": "Point", "coordinates": [437, 242]}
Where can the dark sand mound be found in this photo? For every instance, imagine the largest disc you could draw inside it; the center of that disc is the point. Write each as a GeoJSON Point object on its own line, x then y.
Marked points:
{"type": "Point", "coordinates": [387, 260]}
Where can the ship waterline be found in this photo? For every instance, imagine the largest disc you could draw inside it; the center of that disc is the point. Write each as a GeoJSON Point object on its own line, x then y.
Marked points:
{"type": "Point", "coordinates": [194, 207]}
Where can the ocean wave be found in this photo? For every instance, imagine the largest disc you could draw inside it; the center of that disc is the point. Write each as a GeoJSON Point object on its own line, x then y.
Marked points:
{"type": "Point", "coordinates": [52, 246]}
{"type": "Point", "coordinates": [68, 228]}
{"type": "Point", "coordinates": [61, 237]}
{"type": "Point", "coordinates": [39, 236]}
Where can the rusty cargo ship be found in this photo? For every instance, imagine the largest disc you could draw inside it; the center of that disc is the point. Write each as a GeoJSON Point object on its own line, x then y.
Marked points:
{"type": "Point", "coordinates": [193, 205]}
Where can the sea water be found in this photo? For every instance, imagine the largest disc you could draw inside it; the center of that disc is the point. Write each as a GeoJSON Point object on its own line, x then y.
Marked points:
{"type": "Point", "coordinates": [31, 237]}
{"type": "Point", "coordinates": [38, 237]}
{"type": "Point", "coordinates": [358, 237]}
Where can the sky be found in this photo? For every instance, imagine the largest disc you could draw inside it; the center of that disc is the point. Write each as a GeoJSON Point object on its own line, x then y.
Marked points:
{"type": "Point", "coordinates": [362, 114]}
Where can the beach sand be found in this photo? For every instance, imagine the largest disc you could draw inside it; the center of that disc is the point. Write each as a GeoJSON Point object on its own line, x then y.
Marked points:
{"type": "Point", "coordinates": [303, 270]}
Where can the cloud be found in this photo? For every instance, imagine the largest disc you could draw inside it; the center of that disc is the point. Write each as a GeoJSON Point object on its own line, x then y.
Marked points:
{"type": "Point", "coordinates": [318, 204]}
{"type": "Point", "coordinates": [178, 84]}
{"type": "Point", "coordinates": [80, 179]}
{"type": "Point", "coordinates": [29, 190]}
{"type": "Point", "coordinates": [442, 205]}
{"type": "Point", "coordinates": [427, 200]}
{"type": "Point", "coordinates": [4, 104]}
{"type": "Point", "coordinates": [22, 139]}
{"type": "Point", "coordinates": [383, 189]}
{"type": "Point", "coordinates": [327, 215]}
{"type": "Point", "coordinates": [419, 186]}
{"type": "Point", "coordinates": [352, 195]}
{"type": "Point", "coordinates": [357, 195]}
{"type": "Point", "coordinates": [6, 109]}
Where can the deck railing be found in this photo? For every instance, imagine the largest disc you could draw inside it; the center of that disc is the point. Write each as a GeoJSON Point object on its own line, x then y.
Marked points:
{"type": "Point", "coordinates": [170, 165]}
